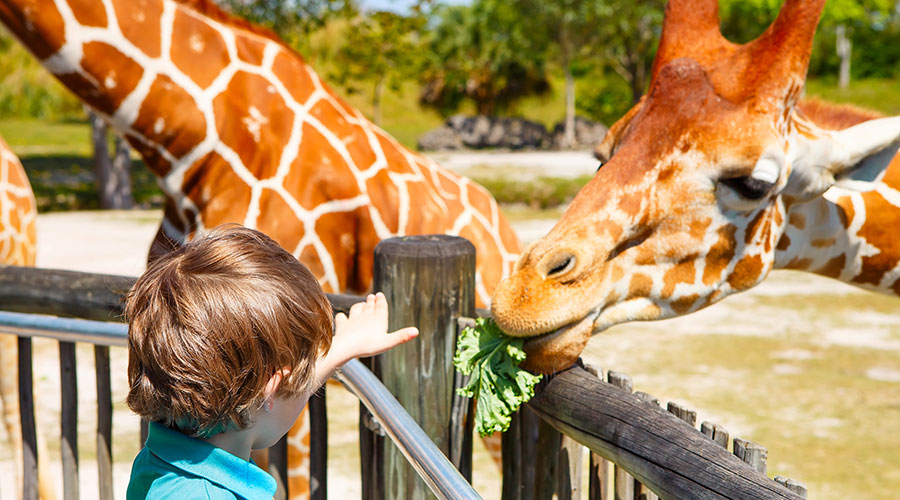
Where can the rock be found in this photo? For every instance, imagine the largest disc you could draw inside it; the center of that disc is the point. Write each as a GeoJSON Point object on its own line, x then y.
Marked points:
{"type": "Point", "coordinates": [440, 139]}
{"type": "Point", "coordinates": [479, 132]}
{"type": "Point", "coordinates": [588, 134]}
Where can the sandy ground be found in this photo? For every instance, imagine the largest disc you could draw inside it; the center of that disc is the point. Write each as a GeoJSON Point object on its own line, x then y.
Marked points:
{"type": "Point", "coordinates": [116, 243]}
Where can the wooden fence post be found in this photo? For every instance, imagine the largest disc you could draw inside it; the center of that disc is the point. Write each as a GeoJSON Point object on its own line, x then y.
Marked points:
{"type": "Point", "coordinates": [429, 282]}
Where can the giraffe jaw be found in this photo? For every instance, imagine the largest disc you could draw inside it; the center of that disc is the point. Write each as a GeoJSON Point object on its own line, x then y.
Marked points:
{"type": "Point", "coordinates": [560, 348]}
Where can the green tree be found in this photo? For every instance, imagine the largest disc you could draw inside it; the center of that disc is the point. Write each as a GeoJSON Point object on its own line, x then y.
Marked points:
{"type": "Point", "coordinates": [630, 37]}
{"type": "Point", "coordinates": [744, 20]}
{"type": "Point", "coordinates": [485, 53]}
{"type": "Point", "coordinates": [292, 20]}
{"type": "Point", "coordinates": [572, 28]}
{"type": "Point", "coordinates": [381, 49]}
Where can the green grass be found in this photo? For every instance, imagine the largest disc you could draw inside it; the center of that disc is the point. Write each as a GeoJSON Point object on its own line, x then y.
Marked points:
{"type": "Point", "coordinates": [877, 94]}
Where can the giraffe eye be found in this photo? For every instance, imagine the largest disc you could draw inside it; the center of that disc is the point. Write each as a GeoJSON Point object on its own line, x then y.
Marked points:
{"type": "Point", "coordinates": [749, 187]}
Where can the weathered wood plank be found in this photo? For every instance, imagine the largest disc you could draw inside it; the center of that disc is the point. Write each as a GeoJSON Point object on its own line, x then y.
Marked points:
{"type": "Point", "coordinates": [688, 415]}
{"type": "Point", "coordinates": [69, 419]}
{"type": "Point", "coordinates": [752, 453]}
{"type": "Point", "coordinates": [624, 482]}
{"type": "Point", "coordinates": [429, 281]}
{"type": "Point", "coordinates": [663, 452]}
{"type": "Point", "coordinates": [318, 445]}
{"type": "Point", "coordinates": [598, 467]}
{"type": "Point", "coordinates": [82, 295]}
{"type": "Point", "coordinates": [26, 412]}
{"type": "Point", "coordinates": [104, 423]}
{"type": "Point", "coordinates": [796, 487]}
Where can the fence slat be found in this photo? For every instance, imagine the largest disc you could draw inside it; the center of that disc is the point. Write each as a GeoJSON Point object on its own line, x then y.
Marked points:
{"type": "Point", "coordinates": [26, 409]}
{"type": "Point", "coordinates": [429, 281]}
{"type": "Point", "coordinates": [104, 422]}
{"type": "Point", "coordinates": [752, 453]}
{"type": "Point", "coordinates": [673, 460]}
{"type": "Point", "coordinates": [69, 419]}
{"type": "Point", "coordinates": [598, 467]}
{"type": "Point", "coordinates": [624, 482]}
{"type": "Point", "coordinates": [318, 446]}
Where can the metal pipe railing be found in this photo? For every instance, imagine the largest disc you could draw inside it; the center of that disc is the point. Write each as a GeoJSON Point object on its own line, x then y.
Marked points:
{"type": "Point", "coordinates": [429, 462]}
{"type": "Point", "coordinates": [432, 466]}
{"type": "Point", "coordinates": [64, 329]}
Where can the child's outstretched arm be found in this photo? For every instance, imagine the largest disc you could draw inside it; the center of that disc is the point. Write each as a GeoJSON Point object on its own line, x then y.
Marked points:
{"type": "Point", "coordinates": [362, 333]}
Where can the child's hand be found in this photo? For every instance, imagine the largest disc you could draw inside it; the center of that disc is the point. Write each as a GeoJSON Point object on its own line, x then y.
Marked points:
{"type": "Point", "coordinates": [363, 333]}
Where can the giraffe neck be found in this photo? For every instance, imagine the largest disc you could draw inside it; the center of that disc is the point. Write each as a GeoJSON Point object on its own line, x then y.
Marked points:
{"type": "Point", "coordinates": [240, 129]}
{"type": "Point", "coordinates": [842, 235]}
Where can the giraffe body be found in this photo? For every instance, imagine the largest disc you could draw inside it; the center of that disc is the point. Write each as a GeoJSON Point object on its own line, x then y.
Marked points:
{"type": "Point", "coordinates": [717, 176]}
{"type": "Point", "coordinates": [238, 128]}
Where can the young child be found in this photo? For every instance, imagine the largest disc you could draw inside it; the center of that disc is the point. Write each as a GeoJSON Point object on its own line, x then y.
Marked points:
{"type": "Point", "coordinates": [228, 337]}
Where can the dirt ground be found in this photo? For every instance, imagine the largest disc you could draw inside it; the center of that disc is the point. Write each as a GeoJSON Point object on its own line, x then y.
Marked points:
{"type": "Point", "coordinates": [806, 366]}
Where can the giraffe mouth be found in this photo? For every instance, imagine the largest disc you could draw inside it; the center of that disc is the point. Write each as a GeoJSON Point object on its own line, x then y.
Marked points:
{"type": "Point", "coordinates": [560, 348]}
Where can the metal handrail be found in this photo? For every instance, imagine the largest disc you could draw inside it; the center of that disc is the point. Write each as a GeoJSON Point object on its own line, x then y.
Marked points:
{"type": "Point", "coordinates": [64, 329]}
{"type": "Point", "coordinates": [429, 462]}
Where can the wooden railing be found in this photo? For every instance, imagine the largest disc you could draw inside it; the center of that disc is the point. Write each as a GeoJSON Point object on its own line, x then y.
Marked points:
{"type": "Point", "coordinates": [430, 282]}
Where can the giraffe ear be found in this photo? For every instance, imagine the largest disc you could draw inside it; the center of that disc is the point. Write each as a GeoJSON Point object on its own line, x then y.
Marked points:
{"type": "Point", "coordinates": [854, 158]}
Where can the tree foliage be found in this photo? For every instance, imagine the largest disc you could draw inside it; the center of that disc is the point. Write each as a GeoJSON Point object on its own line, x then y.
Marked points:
{"type": "Point", "coordinates": [485, 53]}
{"type": "Point", "coordinates": [292, 20]}
{"type": "Point", "coordinates": [381, 49]}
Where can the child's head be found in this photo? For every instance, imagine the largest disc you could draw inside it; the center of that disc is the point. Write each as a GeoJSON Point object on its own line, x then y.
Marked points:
{"type": "Point", "coordinates": [211, 322]}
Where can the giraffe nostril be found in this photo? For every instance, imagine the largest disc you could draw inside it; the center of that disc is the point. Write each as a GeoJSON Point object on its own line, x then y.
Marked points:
{"type": "Point", "coordinates": [561, 266]}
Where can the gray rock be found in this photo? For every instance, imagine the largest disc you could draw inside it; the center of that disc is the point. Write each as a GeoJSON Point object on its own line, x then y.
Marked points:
{"type": "Point", "coordinates": [479, 132]}
{"type": "Point", "coordinates": [440, 139]}
{"type": "Point", "coordinates": [588, 134]}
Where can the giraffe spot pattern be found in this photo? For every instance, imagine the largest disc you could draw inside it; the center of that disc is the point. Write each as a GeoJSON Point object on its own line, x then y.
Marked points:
{"type": "Point", "coordinates": [185, 123]}
{"type": "Point", "coordinates": [89, 13]}
{"type": "Point", "coordinates": [18, 212]}
{"type": "Point", "coordinates": [37, 23]}
{"type": "Point", "coordinates": [257, 131]}
{"type": "Point", "coordinates": [319, 173]}
{"type": "Point", "coordinates": [211, 183]}
{"type": "Point", "coordinates": [198, 49]}
{"type": "Point", "coordinates": [249, 50]}
{"type": "Point", "coordinates": [119, 73]}
{"type": "Point", "coordinates": [287, 225]}
{"type": "Point", "coordinates": [139, 21]}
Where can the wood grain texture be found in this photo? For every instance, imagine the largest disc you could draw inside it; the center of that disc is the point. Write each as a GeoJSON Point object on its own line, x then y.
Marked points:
{"type": "Point", "coordinates": [104, 422]}
{"type": "Point", "coordinates": [675, 460]}
{"type": "Point", "coordinates": [69, 419]}
{"type": "Point", "coordinates": [429, 282]}
{"type": "Point", "coordinates": [83, 295]}
{"type": "Point", "coordinates": [26, 412]}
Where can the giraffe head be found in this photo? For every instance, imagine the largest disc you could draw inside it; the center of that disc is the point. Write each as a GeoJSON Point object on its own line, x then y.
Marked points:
{"type": "Point", "coordinates": [694, 193]}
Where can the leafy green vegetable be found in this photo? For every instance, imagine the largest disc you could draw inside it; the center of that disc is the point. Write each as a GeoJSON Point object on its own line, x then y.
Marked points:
{"type": "Point", "coordinates": [497, 383]}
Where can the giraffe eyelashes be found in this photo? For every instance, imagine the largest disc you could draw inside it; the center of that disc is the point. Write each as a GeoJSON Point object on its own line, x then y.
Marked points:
{"type": "Point", "coordinates": [749, 187]}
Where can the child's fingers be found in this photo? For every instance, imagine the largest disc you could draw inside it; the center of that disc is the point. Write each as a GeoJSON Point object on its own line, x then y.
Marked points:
{"type": "Point", "coordinates": [381, 305]}
{"type": "Point", "coordinates": [339, 320]}
{"type": "Point", "coordinates": [370, 303]}
{"type": "Point", "coordinates": [357, 308]}
{"type": "Point", "coordinates": [406, 334]}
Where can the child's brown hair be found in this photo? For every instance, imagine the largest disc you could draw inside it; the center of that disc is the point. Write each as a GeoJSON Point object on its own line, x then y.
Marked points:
{"type": "Point", "coordinates": [212, 321]}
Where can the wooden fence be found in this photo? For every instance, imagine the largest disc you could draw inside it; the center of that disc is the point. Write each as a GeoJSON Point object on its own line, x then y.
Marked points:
{"type": "Point", "coordinates": [430, 282]}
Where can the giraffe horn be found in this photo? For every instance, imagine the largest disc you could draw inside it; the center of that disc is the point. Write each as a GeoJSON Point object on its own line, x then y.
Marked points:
{"type": "Point", "coordinates": [785, 47]}
{"type": "Point", "coordinates": [690, 29]}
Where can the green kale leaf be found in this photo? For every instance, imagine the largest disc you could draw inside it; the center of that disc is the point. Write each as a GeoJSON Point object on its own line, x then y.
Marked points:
{"type": "Point", "coordinates": [499, 386]}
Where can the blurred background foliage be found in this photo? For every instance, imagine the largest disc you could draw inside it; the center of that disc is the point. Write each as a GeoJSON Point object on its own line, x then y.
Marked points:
{"type": "Point", "coordinates": [410, 68]}
{"type": "Point", "coordinates": [517, 58]}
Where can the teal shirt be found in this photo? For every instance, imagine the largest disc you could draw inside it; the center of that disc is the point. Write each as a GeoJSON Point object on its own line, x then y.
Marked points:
{"type": "Point", "coordinates": [175, 465]}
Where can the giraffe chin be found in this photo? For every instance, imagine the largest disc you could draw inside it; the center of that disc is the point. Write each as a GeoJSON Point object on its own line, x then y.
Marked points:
{"type": "Point", "coordinates": [559, 349]}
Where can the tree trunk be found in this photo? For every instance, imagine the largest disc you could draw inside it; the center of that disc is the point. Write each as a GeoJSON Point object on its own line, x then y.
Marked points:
{"type": "Point", "coordinates": [112, 176]}
{"type": "Point", "coordinates": [376, 101]}
{"type": "Point", "coordinates": [844, 50]}
{"type": "Point", "coordinates": [570, 109]}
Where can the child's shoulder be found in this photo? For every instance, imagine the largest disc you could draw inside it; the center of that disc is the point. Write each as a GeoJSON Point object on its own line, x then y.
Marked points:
{"type": "Point", "coordinates": [153, 478]}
